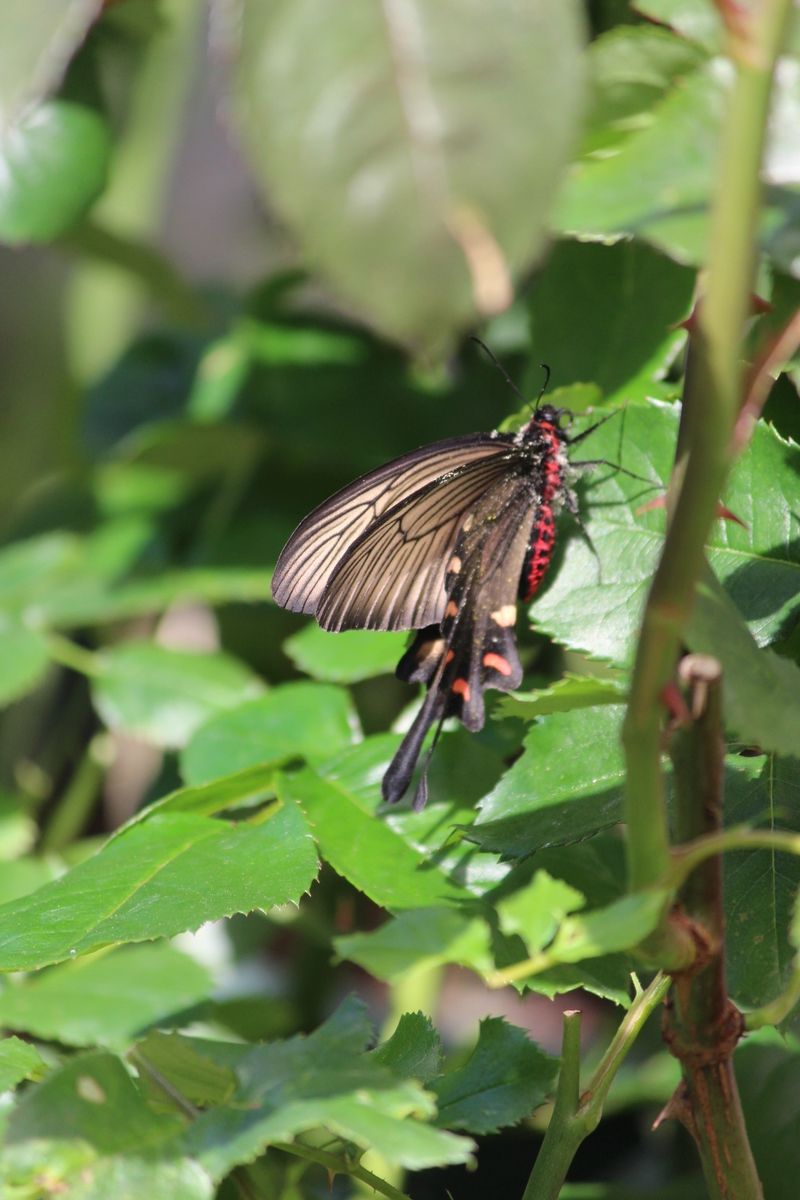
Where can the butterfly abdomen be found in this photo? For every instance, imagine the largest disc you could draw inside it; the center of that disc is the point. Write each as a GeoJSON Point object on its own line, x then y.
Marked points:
{"type": "Point", "coordinates": [540, 552]}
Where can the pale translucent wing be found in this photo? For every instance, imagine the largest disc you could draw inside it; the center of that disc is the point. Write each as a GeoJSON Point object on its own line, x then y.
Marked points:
{"type": "Point", "coordinates": [394, 575]}
{"type": "Point", "coordinates": [322, 541]}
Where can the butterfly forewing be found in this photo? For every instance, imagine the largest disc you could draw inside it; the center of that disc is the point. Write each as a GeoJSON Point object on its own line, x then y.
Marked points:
{"type": "Point", "coordinates": [321, 542]}
{"type": "Point", "coordinates": [393, 577]}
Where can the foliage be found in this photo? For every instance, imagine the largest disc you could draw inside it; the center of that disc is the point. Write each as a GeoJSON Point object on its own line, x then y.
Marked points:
{"type": "Point", "coordinates": [177, 755]}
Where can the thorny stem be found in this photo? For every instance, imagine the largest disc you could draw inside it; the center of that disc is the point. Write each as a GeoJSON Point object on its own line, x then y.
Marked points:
{"type": "Point", "coordinates": [702, 1026]}
{"type": "Point", "coordinates": [712, 400]}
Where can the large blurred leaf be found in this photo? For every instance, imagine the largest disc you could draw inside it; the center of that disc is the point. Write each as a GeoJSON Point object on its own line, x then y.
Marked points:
{"type": "Point", "coordinates": [552, 795]}
{"type": "Point", "coordinates": [163, 695]}
{"type": "Point", "coordinates": [37, 39]}
{"type": "Point", "coordinates": [87, 599]}
{"type": "Point", "coordinates": [164, 874]}
{"type": "Point", "coordinates": [105, 1000]}
{"type": "Point", "coordinates": [24, 659]}
{"type": "Point", "coordinates": [297, 720]}
{"type": "Point", "coordinates": [608, 315]}
{"type": "Point", "coordinates": [89, 1132]}
{"type": "Point", "coordinates": [53, 164]}
{"type": "Point", "coordinates": [18, 1060]}
{"type": "Point", "coordinates": [384, 152]}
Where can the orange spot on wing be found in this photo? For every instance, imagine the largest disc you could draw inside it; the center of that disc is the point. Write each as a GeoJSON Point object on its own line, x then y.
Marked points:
{"type": "Point", "coordinates": [498, 663]}
{"type": "Point", "coordinates": [452, 609]}
{"type": "Point", "coordinates": [448, 658]}
{"type": "Point", "coordinates": [461, 688]}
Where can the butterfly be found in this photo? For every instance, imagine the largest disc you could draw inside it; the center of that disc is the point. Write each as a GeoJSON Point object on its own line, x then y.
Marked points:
{"type": "Point", "coordinates": [443, 540]}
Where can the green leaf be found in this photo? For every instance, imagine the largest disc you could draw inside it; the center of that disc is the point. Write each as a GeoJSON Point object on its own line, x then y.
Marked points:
{"type": "Point", "coordinates": [160, 876]}
{"type": "Point", "coordinates": [760, 885]}
{"type": "Point", "coordinates": [462, 770]}
{"type": "Point", "coordinates": [657, 185]}
{"type": "Point", "coordinates": [625, 300]}
{"type": "Point", "coordinates": [18, 829]}
{"type": "Point", "coordinates": [35, 565]}
{"type": "Point", "coordinates": [298, 720]}
{"type": "Point", "coordinates": [344, 657]}
{"type": "Point", "coordinates": [551, 795]}
{"type": "Point", "coordinates": [632, 67]}
{"type": "Point", "coordinates": [87, 1130]}
{"type": "Point", "coordinates": [694, 19]}
{"type": "Point", "coordinates": [326, 1079]}
{"type": "Point", "coordinates": [571, 692]}
{"type": "Point", "coordinates": [419, 186]}
{"type": "Point", "coordinates": [36, 43]}
{"type": "Point", "coordinates": [761, 691]}
{"type": "Point", "coordinates": [365, 850]}
{"type": "Point", "coordinates": [534, 912]}
{"type": "Point", "coordinates": [420, 938]}
{"type": "Point", "coordinates": [768, 1075]}
{"type": "Point", "coordinates": [23, 653]}
{"type": "Point", "coordinates": [163, 695]}
{"type": "Point", "coordinates": [53, 165]}
{"type": "Point", "coordinates": [18, 1060]}
{"type": "Point", "coordinates": [180, 1059]}
{"type": "Point", "coordinates": [26, 875]}
{"type": "Point", "coordinates": [92, 600]}
{"type": "Point", "coordinates": [505, 1078]}
{"type": "Point", "coordinates": [414, 1050]}
{"type": "Point", "coordinates": [105, 1000]}
{"type": "Point", "coordinates": [596, 608]}
{"type": "Point", "coordinates": [620, 926]}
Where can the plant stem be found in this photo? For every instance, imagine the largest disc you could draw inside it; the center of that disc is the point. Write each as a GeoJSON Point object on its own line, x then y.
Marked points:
{"type": "Point", "coordinates": [702, 1026]}
{"type": "Point", "coordinates": [70, 654]}
{"type": "Point", "coordinates": [689, 856]}
{"type": "Point", "coordinates": [574, 1116]}
{"type": "Point", "coordinates": [712, 399]}
{"type": "Point", "coordinates": [141, 262]}
{"type": "Point", "coordinates": [74, 806]}
{"type": "Point", "coordinates": [340, 1167]}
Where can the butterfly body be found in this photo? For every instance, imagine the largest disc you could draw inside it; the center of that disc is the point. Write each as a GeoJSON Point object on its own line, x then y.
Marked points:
{"type": "Point", "coordinates": [443, 540]}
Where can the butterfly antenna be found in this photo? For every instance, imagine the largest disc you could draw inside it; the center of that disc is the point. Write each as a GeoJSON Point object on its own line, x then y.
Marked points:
{"type": "Point", "coordinates": [543, 388]}
{"type": "Point", "coordinates": [493, 358]}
